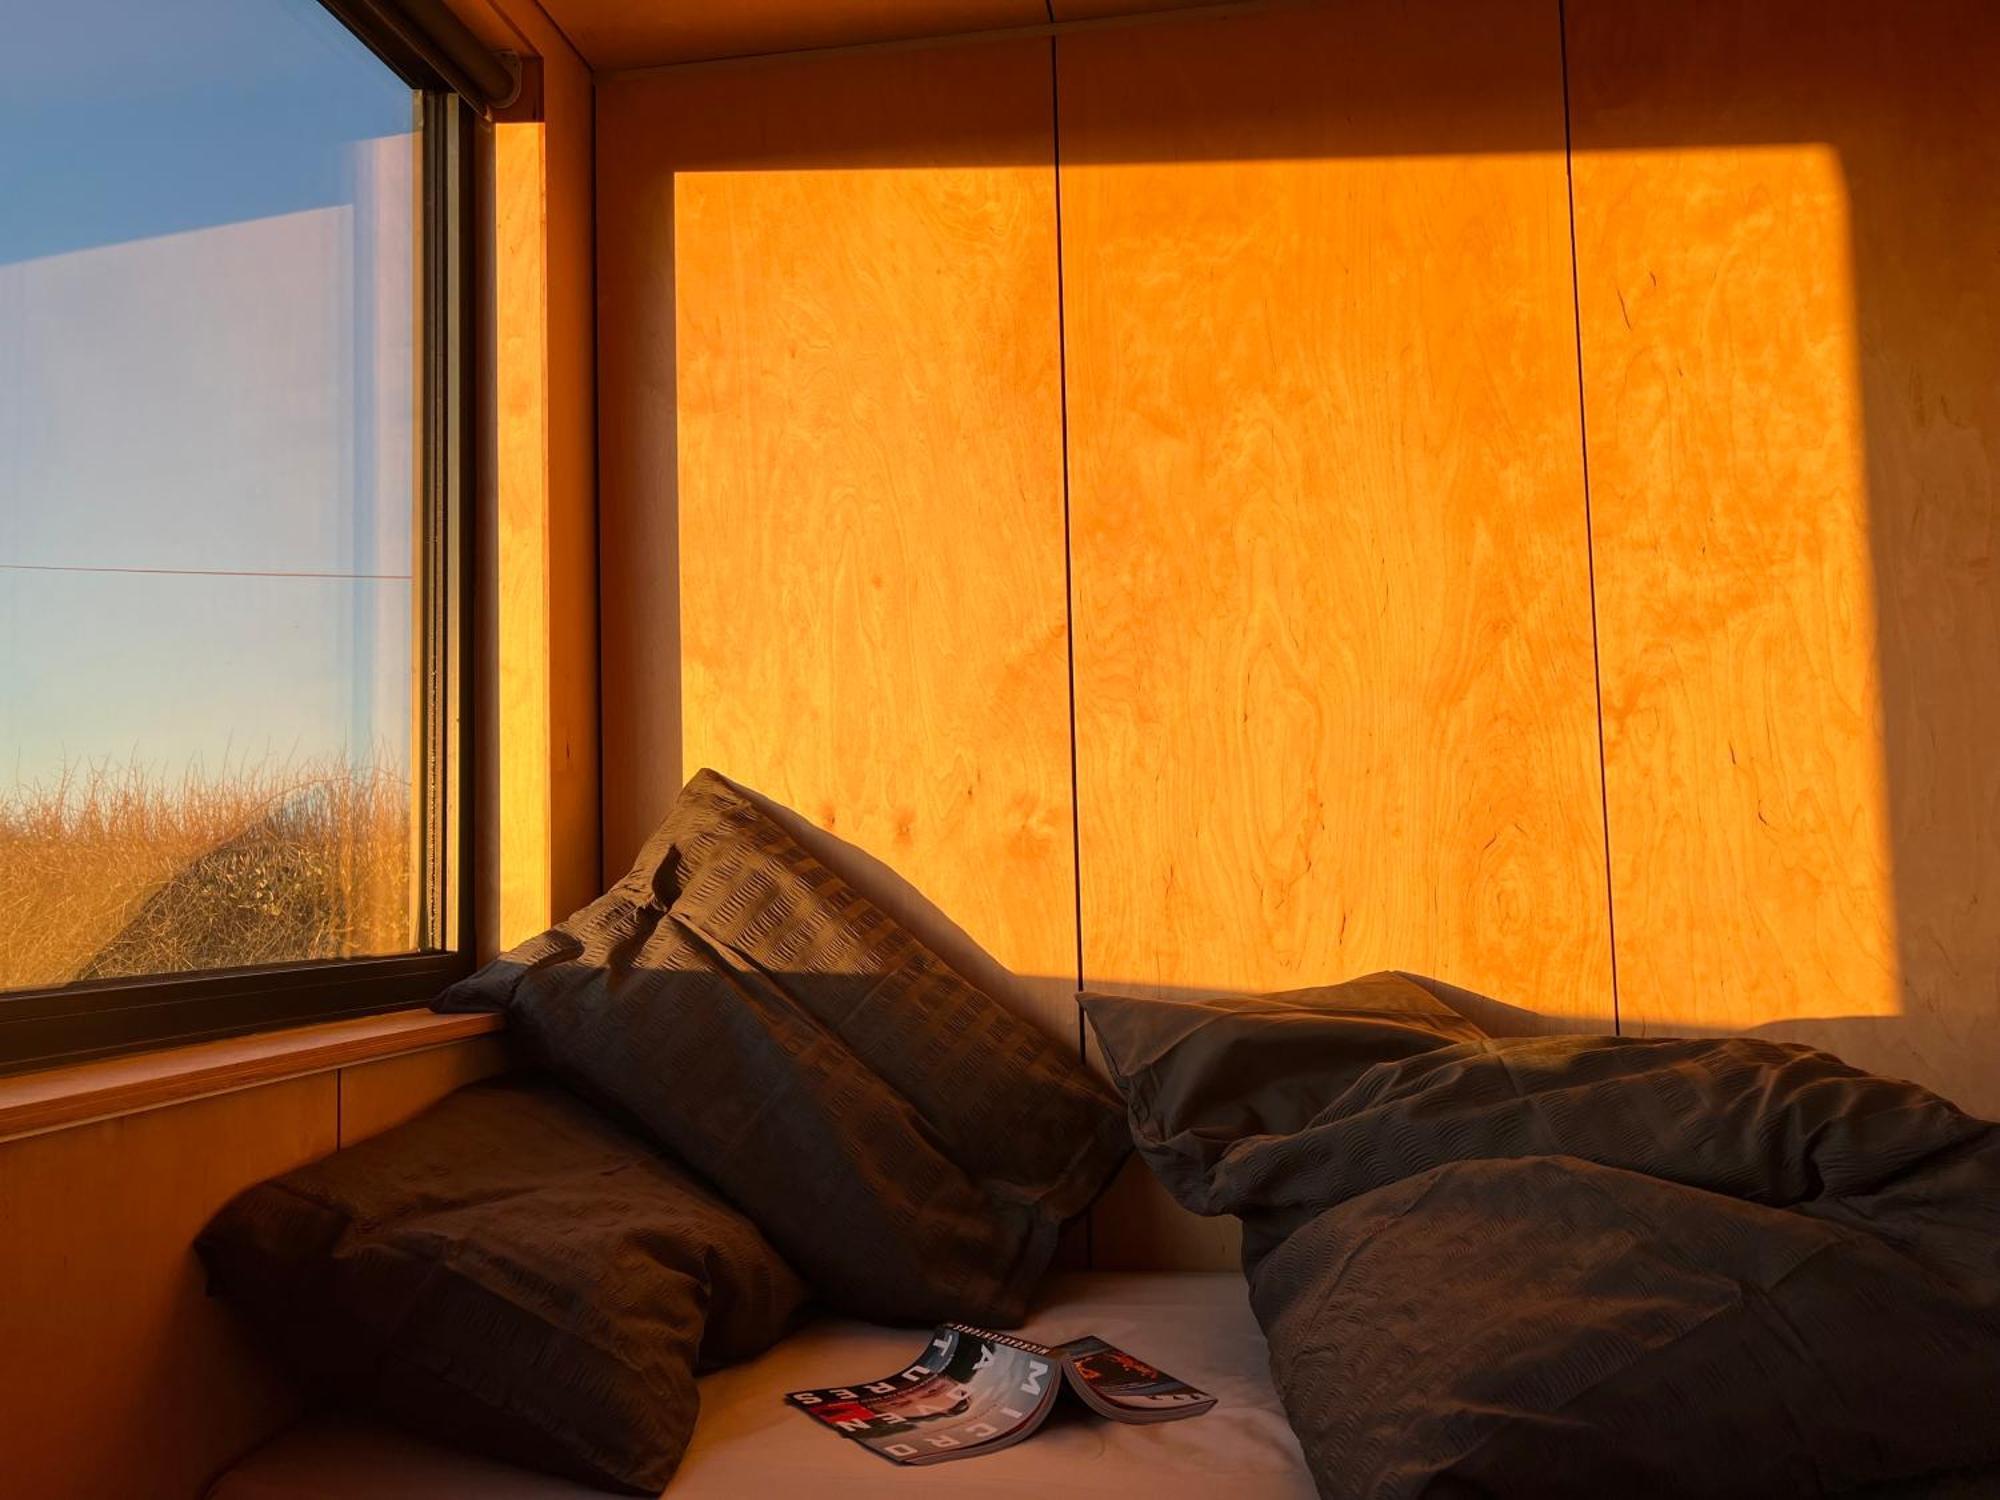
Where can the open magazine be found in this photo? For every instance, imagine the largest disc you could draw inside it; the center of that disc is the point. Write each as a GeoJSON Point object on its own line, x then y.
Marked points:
{"type": "Point", "coordinates": [974, 1392]}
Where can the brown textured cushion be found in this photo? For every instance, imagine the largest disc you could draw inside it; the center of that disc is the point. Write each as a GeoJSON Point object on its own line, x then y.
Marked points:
{"type": "Point", "coordinates": [508, 1273]}
{"type": "Point", "coordinates": [1200, 1075]}
{"type": "Point", "coordinates": [909, 1143]}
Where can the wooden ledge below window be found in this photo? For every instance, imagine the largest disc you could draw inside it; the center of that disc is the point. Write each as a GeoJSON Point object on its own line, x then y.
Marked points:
{"type": "Point", "coordinates": [34, 1103]}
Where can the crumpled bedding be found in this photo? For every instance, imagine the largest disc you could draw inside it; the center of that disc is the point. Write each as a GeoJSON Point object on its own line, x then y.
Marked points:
{"type": "Point", "coordinates": [1586, 1265]}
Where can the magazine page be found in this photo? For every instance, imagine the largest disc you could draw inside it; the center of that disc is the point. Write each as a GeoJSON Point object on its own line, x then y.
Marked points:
{"type": "Point", "coordinates": [1124, 1387]}
{"type": "Point", "coordinates": [970, 1392]}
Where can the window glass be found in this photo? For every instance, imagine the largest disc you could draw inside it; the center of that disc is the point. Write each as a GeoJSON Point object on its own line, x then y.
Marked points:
{"type": "Point", "coordinates": [209, 497]}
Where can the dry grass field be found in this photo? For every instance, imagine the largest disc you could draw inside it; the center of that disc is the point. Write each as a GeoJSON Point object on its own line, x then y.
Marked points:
{"type": "Point", "coordinates": [116, 872]}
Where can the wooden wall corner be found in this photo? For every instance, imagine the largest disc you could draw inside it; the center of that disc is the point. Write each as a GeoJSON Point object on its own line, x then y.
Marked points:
{"type": "Point", "coordinates": [540, 813]}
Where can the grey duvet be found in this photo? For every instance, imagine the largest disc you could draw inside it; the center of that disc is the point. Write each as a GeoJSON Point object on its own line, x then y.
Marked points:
{"type": "Point", "coordinates": [1584, 1265]}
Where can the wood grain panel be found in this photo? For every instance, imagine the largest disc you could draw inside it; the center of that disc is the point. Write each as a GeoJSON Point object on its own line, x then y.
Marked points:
{"type": "Point", "coordinates": [618, 34]}
{"type": "Point", "coordinates": [575, 793]}
{"type": "Point", "coordinates": [1334, 669]}
{"type": "Point", "coordinates": [1792, 357]}
{"type": "Point", "coordinates": [865, 367]}
{"type": "Point", "coordinates": [569, 157]}
{"type": "Point", "coordinates": [538, 723]}
{"type": "Point", "coordinates": [118, 1375]}
{"type": "Point", "coordinates": [521, 387]}
{"type": "Point", "coordinates": [53, 1098]}
{"type": "Point", "coordinates": [1335, 706]}
{"type": "Point", "coordinates": [379, 1096]}
{"type": "Point", "coordinates": [638, 503]}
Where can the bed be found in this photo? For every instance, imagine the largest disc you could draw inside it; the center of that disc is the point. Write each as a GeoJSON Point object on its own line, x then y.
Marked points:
{"type": "Point", "coordinates": [747, 1442]}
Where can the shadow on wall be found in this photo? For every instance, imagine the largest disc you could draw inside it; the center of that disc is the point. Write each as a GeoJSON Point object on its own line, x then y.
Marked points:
{"type": "Point", "coordinates": [1828, 405]}
{"type": "Point", "coordinates": [1134, 1225]}
{"type": "Point", "coordinates": [1927, 288]}
{"type": "Point", "coordinates": [1856, 1039]}
{"type": "Point", "coordinates": [1889, 91]}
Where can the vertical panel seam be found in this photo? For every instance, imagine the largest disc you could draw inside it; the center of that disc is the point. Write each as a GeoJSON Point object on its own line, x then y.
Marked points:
{"type": "Point", "coordinates": [1589, 527]}
{"type": "Point", "coordinates": [1069, 579]}
{"type": "Point", "coordinates": [1069, 574]}
{"type": "Point", "coordinates": [595, 499]}
{"type": "Point", "coordinates": [604, 877]}
{"type": "Point", "coordinates": [597, 489]}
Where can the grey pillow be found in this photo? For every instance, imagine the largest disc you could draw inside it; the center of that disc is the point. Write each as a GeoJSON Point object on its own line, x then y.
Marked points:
{"type": "Point", "coordinates": [507, 1273]}
{"type": "Point", "coordinates": [910, 1144]}
{"type": "Point", "coordinates": [1200, 1075]}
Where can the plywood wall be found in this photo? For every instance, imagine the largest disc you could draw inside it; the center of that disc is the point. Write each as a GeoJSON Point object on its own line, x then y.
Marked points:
{"type": "Point", "coordinates": [1791, 339]}
{"type": "Point", "coordinates": [1335, 708]}
{"type": "Point", "coordinates": [537, 759]}
{"type": "Point", "coordinates": [867, 473]}
{"type": "Point", "coordinates": [1607, 625]}
{"type": "Point", "coordinates": [619, 34]}
{"type": "Point", "coordinates": [119, 1375]}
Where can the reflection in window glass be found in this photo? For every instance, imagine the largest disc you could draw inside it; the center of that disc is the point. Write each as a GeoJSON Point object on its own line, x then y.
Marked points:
{"type": "Point", "coordinates": [208, 498]}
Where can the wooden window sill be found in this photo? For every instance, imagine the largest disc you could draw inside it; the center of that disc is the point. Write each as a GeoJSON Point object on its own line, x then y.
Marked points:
{"type": "Point", "coordinates": [55, 1098]}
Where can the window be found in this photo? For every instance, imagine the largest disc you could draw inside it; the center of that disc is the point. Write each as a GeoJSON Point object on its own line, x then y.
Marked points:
{"type": "Point", "coordinates": [231, 313]}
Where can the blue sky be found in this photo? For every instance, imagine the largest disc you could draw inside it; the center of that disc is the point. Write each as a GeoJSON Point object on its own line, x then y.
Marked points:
{"type": "Point", "coordinates": [205, 356]}
{"type": "Point", "coordinates": [125, 119]}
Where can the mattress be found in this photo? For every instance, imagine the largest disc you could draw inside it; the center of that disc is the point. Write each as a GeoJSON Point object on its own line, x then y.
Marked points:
{"type": "Point", "coordinates": [747, 1442]}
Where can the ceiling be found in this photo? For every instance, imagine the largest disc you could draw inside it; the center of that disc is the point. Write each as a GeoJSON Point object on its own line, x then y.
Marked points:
{"type": "Point", "coordinates": [615, 34]}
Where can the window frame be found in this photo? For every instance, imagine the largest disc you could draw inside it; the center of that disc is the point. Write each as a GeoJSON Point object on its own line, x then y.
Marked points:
{"type": "Point", "coordinates": [73, 1022]}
